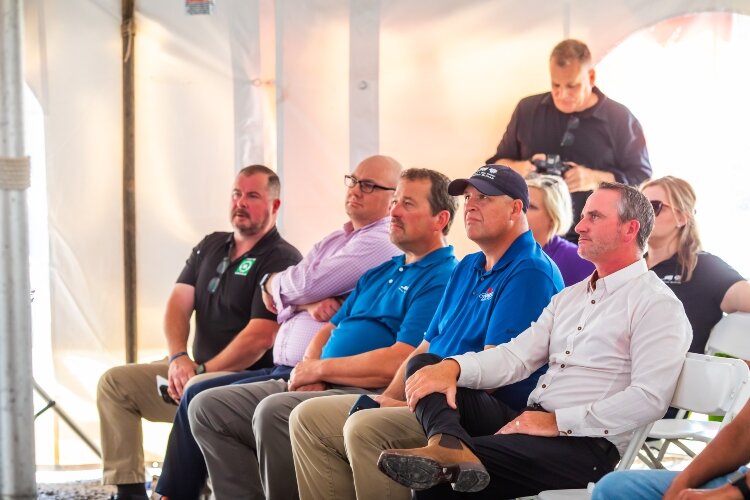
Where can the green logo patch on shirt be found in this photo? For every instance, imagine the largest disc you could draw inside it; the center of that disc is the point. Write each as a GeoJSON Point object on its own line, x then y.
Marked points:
{"type": "Point", "coordinates": [245, 266]}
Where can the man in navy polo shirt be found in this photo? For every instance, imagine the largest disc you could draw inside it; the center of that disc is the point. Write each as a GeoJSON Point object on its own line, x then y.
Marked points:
{"type": "Point", "coordinates": [358, 351]}
{"type": "Point", "coordinates": [493, 295]}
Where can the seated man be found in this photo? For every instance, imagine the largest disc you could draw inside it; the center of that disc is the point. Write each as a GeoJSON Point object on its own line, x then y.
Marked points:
{"type": "Point", "coordinates": [615, 345]}
{"type": "Point", "coordinates": [243, 430]}
{"type": "Point", "coordinates": [493, 295]}
{"type": "Point", "coordinates": [328, 272]}
{"type": "Point", "coordinates": [233, 328]}
{"type": "Point", "coordinates": [718, 472]}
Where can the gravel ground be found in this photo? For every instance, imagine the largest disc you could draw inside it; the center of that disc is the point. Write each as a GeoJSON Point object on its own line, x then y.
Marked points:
{"type": "Point", "coordinates": [78, 490]}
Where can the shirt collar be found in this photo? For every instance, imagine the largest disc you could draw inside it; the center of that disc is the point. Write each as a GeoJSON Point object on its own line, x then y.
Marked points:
{"type": "Point", "coordinates": [523, 244]}
{"type": "Point", "coordinates": [266, 243]}
{"type": "Point", "coordinates": [618, 279]}
{"type": "Point", "coordinates": [594, 111]}
{"type": "Point", "coordinates": [429, 259]}
{"type": "Point", "coordinates": [348, 227]}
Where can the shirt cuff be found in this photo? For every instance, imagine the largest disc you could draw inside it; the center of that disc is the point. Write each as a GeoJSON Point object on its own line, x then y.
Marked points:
{"type": "Point", "coordinates": [471, 370]}
{"type": "Point", "coordinates": [569, 420]}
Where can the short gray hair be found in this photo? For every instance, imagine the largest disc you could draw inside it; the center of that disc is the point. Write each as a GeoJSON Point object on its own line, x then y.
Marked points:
{"type": "Point", "coordinates": [633, 205]}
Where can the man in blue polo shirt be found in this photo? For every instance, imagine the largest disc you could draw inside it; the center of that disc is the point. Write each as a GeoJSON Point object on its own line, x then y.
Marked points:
{"type": "Point", "coordinates": [493, 295]}
{"type": "Point", "coordinates": [357, 351]}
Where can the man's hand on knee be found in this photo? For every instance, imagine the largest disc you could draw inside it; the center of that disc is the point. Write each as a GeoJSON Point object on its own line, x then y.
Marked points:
{"type": "Point", "coordinates": [427, 380]}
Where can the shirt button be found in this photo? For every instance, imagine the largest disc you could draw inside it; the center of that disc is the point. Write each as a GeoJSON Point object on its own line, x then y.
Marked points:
{"type": "Point", "coordinates": [579, 328]}
{"type": "Point", "coordinates": [567, 352]}
{"type": "Point", "coordinates": [401, 269]}
{"type": "Point", "coordinates": [562, 365]}
{"type": "Point", "coordinates": [544, 386]}
{"type": "Point", "coordinates": [481, 279]}
{"type": "Point", "coordinates": [593, 301]}
{"type": "Point", "coordinates": [606, 431]}
{"type": "Point", "coordinates": [390, 281]}
{"type": "Point", "coordinates": [569, 431]}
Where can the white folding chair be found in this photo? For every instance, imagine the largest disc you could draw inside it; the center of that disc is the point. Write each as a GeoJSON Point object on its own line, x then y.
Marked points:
{"type": "Point", "coordinates": [707, 384]}
{"type": "Point", "coordinates": [730, 336]}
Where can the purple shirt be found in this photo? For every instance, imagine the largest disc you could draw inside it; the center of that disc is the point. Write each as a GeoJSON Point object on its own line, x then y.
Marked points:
{"type": "Point", "coordinates": [330, 269]}
{"type": "Point", "coordinates": [565, 254]}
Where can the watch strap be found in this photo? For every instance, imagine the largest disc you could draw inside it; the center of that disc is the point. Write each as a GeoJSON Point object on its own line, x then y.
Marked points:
{"type": "Point", "coordinates": [741, 484]}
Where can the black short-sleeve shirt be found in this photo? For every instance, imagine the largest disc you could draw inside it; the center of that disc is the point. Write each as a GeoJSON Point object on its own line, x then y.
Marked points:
{"type": "Point", "coordinates": [702, 295]}
{"type": "Point", "coordinates": [607, 137]}
{"type": "Point", "coordinates": [221, 315]}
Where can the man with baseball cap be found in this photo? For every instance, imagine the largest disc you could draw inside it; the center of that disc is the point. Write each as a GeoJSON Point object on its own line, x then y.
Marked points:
{"type": "Point", "coordinates": [492, 296]}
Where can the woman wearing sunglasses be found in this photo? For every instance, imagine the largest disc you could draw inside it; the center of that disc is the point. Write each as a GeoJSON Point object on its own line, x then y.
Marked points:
{"type": "Point", "coordinates": [550, 215]}
{"type": "Point", "coordinates": [706, 285]}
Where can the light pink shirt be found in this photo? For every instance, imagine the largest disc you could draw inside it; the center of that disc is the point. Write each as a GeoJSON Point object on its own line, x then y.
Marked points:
{"type": "Point", "coordinates": [330, 269]}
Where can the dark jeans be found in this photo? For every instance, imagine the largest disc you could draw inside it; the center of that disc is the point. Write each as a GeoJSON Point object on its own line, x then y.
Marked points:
{"type": "Point", "coordinates": [184, 471]}
{"type": "Point", "coordinates": [518, 464]}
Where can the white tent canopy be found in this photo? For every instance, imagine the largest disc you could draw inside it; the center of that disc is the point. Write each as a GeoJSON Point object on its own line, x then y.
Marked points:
{"type": "Point", "coordinates": [307, 87]}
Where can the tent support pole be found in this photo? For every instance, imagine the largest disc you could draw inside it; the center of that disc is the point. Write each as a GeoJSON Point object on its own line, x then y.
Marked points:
{"type": "Point", "coordinates": [128, 181]}
{"type": "Point", "coordinates": [17, 465]}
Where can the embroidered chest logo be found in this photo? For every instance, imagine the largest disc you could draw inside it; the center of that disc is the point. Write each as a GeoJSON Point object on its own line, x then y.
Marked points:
{"type": "Point", "coordinates": [672, 279]}
{"type": "Point", "coordinates": [245, 266]}
{"type": "Point", "coordinates": [486, 295]}
{"type": "Point", "coordinates": [403, 288]}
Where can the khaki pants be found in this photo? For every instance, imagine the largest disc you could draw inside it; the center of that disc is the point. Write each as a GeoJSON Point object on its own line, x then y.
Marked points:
{"type": "Point", "coordinates": [126, 394]}
{"type": "Point", "coordinates": [336, 457]}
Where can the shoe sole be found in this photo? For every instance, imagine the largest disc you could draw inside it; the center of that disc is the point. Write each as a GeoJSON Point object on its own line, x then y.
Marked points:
{"type": "Point", "coordinates": [420, 473]}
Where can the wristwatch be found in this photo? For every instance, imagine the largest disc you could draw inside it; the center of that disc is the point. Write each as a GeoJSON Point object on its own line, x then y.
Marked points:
{"type": "Point", "coordinates": [262, 283]}
{"type": "Point", "coordinates": [200, 369]}
{"type": "Point", "coordinates": [738, 480]}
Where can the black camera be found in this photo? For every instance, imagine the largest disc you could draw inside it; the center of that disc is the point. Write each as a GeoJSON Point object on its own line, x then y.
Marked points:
{"type": "Point", "coordinates": [551, 165]}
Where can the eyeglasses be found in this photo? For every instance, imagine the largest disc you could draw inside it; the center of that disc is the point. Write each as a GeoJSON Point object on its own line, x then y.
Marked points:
{"type": "Point", "coordinates": [568, 138]}
{"type": "Point", "coordinates": [364, 186]}
{"type": "Point", "coordinates": [658, 205]}
{"type": "Point", "coordinates": [214, 283]}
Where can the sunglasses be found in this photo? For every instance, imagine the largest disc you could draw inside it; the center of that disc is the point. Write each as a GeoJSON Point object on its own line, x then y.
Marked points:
{"type": "Point", "coordinates": [657, 206]}
{"type": "Point", "coordinates": [214, 283]}
{"type": "Point", "coordinates": [365, 186]}
{"type": "Point", "coordinates": [568, 138]}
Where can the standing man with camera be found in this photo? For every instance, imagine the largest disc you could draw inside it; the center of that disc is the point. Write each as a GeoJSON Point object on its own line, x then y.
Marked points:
{"type": "Point", "coordinates": [575, 131]}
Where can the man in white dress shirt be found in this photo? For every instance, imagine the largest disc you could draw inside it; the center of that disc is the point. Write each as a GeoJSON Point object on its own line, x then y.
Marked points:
{"type": "Point", "coordinates": [615, 346]}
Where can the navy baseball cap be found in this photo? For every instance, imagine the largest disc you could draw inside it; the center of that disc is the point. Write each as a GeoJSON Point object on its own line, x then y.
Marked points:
{"type": "Point", "coordinates": [494, 180]}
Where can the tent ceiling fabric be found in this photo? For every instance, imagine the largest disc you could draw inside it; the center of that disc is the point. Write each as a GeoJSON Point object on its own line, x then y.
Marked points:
{"type": "Point", "coordinates": [265, 82]}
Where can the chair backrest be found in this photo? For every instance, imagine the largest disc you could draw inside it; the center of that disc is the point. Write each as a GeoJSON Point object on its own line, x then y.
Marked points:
{"type": "Point", "coordinates": [712, 385]}
{"type": "Point", "coordinates": [707, 384]}
{"type": "Point", "coordinates": [731, 335]}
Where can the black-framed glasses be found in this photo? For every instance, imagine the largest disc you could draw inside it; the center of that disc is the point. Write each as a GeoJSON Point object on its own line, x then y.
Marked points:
{"type": "Point", "coordinates": [366, 186]}
{"type": "Point", "coordinates": [657, 206]}
{"type": "Point", "coordinates": [214, 283]}
{"type": "Point", "coordinates": [568, 137]}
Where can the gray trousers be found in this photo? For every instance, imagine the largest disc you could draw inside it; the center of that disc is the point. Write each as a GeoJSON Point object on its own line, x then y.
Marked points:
{"type": "Point", "coordinates": [243, 432]}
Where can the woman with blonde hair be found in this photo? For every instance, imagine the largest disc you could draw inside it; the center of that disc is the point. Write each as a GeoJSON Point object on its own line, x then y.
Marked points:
{"type": "Point", "coordinates": [706, 285]}
{"type": "Point", "coordinates": [550, 216]}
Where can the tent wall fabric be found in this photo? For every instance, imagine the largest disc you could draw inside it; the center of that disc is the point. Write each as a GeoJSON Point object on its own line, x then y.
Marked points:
{"type": "Point", "coordinates": [308, 87]}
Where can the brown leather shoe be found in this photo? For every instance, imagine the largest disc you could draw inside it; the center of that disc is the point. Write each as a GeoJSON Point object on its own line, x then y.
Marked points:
{"type": "Point", "coordinates": [444, 459]}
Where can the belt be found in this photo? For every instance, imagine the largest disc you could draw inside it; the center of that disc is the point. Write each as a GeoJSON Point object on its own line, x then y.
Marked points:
{"type": "Point", "coordinates": [609, 449]}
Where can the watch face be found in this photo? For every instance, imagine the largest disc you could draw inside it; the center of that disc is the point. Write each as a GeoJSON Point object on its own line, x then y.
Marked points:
{"type": "Point", "coordinates": [200, 369]}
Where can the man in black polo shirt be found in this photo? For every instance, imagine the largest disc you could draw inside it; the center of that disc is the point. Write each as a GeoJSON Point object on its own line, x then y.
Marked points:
{"type": "Point", "coordinates": [598, 139]}
{"type": "Point", "coordinates": [233, 329]}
